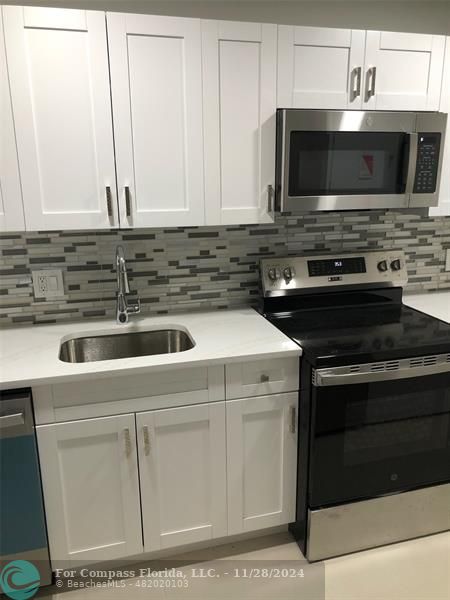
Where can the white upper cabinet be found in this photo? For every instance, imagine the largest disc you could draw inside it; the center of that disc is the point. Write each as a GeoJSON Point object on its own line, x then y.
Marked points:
{"type": "Point", "coordinates": [320, 67]}
{"type": "Point", "coordinates": [352, 69]}
{"type": "Point", "coordinates": [403, 71]}
{"type": "Point", "coordinates": [58, 68]}
{"type": "Point", "coordinates": [11, 209]}
{"type": "Point", "coordinates": [124, 120]}
{"type": "Point", "coordinates": [444, 190]}
{"type": "Point", "coordinates": [182, 463]}
{"type": "Point", "coordinates": [91, 489]}
{"type": "Point", "coordinates": [239, 103]}
{"type": "Point", "coordinates": [156, 84]}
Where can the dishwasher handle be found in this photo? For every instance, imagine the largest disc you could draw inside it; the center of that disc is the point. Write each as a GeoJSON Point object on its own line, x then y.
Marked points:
{"type": "Point", "coordinates": [12, 420]}
{"type": "Point", "coordinates": [16, 414]}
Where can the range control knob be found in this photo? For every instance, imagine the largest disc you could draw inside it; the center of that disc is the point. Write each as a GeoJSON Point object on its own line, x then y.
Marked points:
{"type": "Point", "coordinates": [382, 266]}
{"type": "Point", "coordinates": [395, 265]}
{"type": "Point", "coordinates": [287, 274]}
{"type": "Point", "coordinates": [273, 274]}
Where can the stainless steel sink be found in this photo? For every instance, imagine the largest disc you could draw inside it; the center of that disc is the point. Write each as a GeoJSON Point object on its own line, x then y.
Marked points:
{"type": "Point", "coordinates": [125, 345]}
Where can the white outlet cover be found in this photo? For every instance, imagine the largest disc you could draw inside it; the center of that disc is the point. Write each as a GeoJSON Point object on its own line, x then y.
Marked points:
{"type": "Point", "coordinates": [48, 283]}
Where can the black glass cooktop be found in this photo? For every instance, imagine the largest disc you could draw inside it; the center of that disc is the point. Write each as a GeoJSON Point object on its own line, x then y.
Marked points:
{"type": "Point", "coordinates": [357, 334]}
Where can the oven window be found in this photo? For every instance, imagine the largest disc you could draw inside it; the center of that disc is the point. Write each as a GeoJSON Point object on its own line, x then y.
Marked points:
{"type": "Point", "coordinates": [382, 437]}
{"type": "Point", "coordinates": [393, 425]}
{"type": "Point", "coordinates": [347, 163]}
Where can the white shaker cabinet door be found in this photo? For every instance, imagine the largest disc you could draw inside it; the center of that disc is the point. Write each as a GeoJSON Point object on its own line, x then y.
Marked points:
{"type": "Point", "coordinates": [261, 461]}
{"type": "Point", "coordinates": [182, 467]}
{"type": "Point", "coordinates": [157, 106]}
{"type": "Point", "coordinates": [239, 100]}
{"type": "Point", "coordinates": [91, 489]}
{"type": "Point", "coordinates": [403, 71]}
{"type": "Point", "coordinates": [58, 67]}
{"type": "Point", "coordinates": [320, 67]}
{"type": "Point", "coordinates": [11, 208]}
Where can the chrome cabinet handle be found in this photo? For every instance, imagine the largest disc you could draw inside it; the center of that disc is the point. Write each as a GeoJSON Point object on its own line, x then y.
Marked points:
{"type": "Point", "coordinates": [146, 436]}
{"type": "Point", "coordinates": [293, 419]}
{"type": "Point", "coordinates": [356, 80]}
{"type": "Point", "coordinates": [270, 192]}
{"type": "Point", "coordinates": [109, 201]}
{"type": "Point", "coordinates": [372, 76]}
{"type": "Point", "coordinates": [264, 378]}
{"type": "Point", "coordinates": [126, 434]}
{"type": "Point", "coordinates": [128, 200]}
{"type": "Point", "coordinates": [12, 420]}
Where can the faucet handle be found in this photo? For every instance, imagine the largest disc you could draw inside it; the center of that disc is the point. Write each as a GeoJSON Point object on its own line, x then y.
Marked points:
{"type": "Point", "coordinates": [134, 307]}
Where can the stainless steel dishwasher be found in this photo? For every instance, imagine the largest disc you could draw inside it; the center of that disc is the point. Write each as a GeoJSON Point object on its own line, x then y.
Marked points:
{"type": "Point", "coordinates": [23, 535]}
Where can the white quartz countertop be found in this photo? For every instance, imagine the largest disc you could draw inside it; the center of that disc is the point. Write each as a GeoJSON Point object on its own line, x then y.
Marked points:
{"type": "Point", "coordinates": [30, 355]}
{"type": "Point", "coordinates": [436, 304]}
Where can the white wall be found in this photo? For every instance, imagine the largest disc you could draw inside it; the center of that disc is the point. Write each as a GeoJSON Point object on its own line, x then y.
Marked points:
{"type": "Point", "coordinates": [425, 16]}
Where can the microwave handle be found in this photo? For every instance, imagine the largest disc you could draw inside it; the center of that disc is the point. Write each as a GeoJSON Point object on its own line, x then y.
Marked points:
{"type": "Point", "coordinates": [412, 162]}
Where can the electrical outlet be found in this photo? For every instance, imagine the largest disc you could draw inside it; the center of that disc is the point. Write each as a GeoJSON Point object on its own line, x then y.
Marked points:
{"type": "Point", "coordinates": [48, 283]}
{"type": "Point", "coordinates": [447, 260]}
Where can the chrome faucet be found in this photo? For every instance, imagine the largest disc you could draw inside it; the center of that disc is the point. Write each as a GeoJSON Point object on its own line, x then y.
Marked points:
{"type": "Point", "coordinates": [123, 307]}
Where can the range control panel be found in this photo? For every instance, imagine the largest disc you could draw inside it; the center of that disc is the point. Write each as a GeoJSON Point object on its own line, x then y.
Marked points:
{"type": "Point", "coordinates": [295, 274]}
{"type": "Point", "coordinates": [428, 147]}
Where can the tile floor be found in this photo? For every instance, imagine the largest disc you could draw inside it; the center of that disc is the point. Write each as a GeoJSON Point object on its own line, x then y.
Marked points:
{"type": "Point", "coordinates": [414, 570]}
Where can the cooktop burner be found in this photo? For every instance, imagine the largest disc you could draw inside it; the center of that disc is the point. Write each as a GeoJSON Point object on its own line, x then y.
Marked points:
{"type": "Point", "coordinates": [348, 309]}
{"type": "Point", "coordinates": [347, 335]}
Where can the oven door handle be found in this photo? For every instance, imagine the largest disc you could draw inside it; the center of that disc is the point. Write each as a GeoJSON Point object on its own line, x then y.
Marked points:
{"type": "Point", "coordinates": [390, 371]}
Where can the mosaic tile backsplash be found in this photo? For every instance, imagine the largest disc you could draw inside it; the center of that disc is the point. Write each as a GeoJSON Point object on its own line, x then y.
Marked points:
{"type": "Point", "coordinates": [201, 267]}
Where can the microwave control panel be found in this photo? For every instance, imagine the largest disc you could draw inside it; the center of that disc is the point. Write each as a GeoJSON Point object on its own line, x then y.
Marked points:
{"type": "Point", "coordinates": [427, 163]}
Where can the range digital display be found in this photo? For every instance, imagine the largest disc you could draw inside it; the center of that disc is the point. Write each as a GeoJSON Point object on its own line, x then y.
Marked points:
{"type": "Point", "coordinates": [336, 266]}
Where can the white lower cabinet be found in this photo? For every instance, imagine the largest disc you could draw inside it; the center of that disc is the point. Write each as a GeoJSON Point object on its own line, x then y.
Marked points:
{"type": "Point", "coordinates": [91, 489]}
{"type": "Point", "coordinates": [182, 460]}
{"type": "Point", "coordinates": [122, 485]}
{"type": "Point", "coordinates": [261, 461]}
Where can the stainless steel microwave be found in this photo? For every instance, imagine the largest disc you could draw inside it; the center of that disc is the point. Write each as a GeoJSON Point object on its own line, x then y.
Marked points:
{"type": "Point", "coordinates": [347, 160]}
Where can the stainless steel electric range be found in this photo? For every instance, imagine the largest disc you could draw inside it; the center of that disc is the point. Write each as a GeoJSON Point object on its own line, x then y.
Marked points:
{"type": "Point", "coordinates": [374, 418]}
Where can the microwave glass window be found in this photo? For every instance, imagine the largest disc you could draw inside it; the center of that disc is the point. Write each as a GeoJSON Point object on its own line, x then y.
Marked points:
{"type": "Point", "coordinates": [347, 163]}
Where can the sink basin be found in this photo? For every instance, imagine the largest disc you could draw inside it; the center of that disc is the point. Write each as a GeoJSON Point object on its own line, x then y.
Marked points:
{"type": "Point", "coordinates": [124, 345]}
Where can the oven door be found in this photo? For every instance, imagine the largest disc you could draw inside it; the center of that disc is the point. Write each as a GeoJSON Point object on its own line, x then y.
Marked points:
{"type": "Point", "coordinates": [379, 435]}
{"type": "Point", "coordinates": [334, 160]}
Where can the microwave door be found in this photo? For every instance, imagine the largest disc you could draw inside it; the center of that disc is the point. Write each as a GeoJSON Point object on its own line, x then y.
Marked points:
{"type": "Point", "coordinates": [338, 170]}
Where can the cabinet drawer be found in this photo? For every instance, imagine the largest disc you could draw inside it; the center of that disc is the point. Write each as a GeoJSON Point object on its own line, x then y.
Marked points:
{"type": "Point", "coordinates": [261, 377]}
{"type": "Point", "coordinates": [120, 394]}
